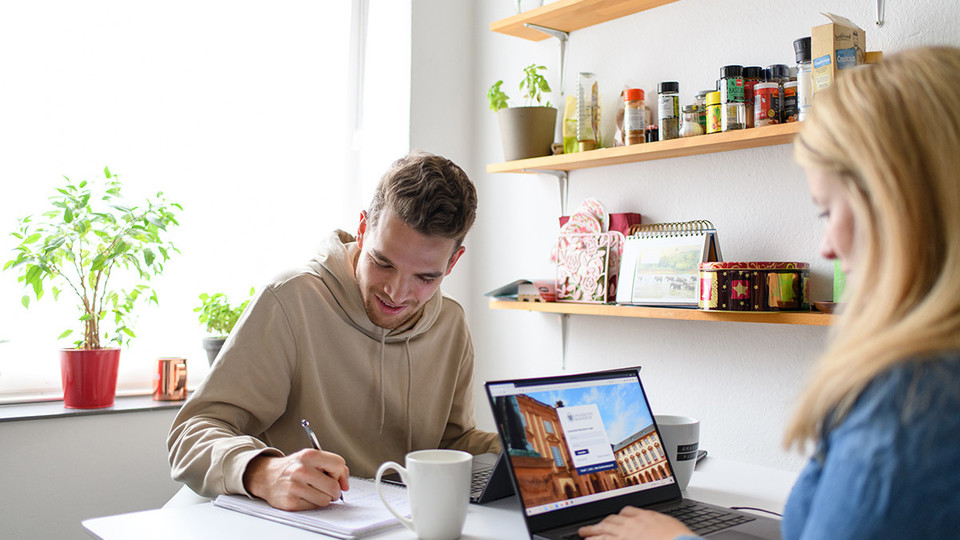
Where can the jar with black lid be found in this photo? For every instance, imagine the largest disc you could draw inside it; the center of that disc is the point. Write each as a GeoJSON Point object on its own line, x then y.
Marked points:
{"type": "Point", "coordinates": [733, 109]}
{"type": "Point", "coordinates": [780, 74]}
{"type": "Point", "coordinates": [668, 107]}
{"type": "Point", "coordinates": [751, 77]}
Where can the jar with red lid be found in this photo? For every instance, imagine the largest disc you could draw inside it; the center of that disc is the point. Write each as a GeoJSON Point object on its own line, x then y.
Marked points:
{"type": "Point", "coordinates": [634, 118]}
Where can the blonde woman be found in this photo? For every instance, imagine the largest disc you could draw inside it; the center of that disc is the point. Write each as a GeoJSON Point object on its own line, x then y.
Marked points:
{"type": "Point", "coordinates": [882, 154]}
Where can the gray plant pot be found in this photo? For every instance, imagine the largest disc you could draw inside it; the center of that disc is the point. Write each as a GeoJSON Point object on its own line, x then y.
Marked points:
{"type": "Point", "coordinates": [527, 132]}
{"type": "Point", "coordinates": [212, 346]}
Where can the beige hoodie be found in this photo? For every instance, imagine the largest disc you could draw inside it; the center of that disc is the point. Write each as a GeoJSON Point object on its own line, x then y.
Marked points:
{"type": "Point", "coordinates": [305, 348]}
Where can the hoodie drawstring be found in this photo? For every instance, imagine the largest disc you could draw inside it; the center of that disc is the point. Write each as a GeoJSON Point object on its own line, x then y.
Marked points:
{"type": "Point", "coordinates": [406, 348]}
{"type": "Point", "coordinates": [383, 391]}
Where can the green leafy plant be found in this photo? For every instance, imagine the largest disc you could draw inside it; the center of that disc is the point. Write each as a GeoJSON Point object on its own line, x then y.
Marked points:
{"type": "Point", "coordinates": [533, 85]}
{"type": "Point", "coordinates": [217, 314]}
{"type": "Point", "coordinates": [89, 242]}
{"type": "Point", "coordinates": [498, 99]}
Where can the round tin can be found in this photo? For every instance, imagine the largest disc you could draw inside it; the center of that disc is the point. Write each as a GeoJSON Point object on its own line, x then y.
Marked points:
{"type": "Point", "coordinates": [766, 104]}
{"type": "Point", "coordinates": [754, 286]}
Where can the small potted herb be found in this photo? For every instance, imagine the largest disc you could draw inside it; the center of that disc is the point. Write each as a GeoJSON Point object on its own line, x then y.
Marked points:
{"type": "Point", "coordinates": [219, 318]}
{"type": "Point", "coordinates": [526, 131]}
{"type": "Point", "coordinates": [95, 249]}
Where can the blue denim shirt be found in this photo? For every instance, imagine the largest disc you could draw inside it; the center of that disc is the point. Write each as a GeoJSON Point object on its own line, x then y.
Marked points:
{"type": "Point", "coordinates": [891, 469]}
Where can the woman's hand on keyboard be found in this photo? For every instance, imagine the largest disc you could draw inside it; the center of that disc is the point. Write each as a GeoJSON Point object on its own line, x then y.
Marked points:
{"type": "Point", "coordinates": [636, 524]}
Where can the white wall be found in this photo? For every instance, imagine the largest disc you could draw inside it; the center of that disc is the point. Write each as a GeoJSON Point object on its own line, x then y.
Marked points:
{"type": "Point", "coordinates": [740, 379]}
{"type": "Point", "coordinates": [59, 471]}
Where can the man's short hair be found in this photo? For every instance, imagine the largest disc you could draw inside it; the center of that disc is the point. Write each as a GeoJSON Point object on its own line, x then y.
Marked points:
{"type": "Point", "coordinates": [429, 193]}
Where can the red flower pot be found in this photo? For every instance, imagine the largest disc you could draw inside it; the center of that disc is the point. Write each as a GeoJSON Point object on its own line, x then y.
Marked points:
{"type": "Point", "coordinates": [89, 377]}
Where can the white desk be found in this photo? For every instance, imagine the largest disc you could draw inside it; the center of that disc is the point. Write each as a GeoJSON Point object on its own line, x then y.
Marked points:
{"type": "Point", "coordinates": [716, 481]}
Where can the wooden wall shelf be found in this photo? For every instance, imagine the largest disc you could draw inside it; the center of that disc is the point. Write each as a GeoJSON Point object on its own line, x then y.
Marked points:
{"type": "Point", "coordinates": [570, 15]}
{"type": "Point", "coordinates": [692, 146]}
{"type": "Point", "coordinates": [808, 318]}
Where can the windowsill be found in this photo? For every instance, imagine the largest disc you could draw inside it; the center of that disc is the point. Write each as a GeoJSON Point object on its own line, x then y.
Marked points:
{"type": "Point", "coordinates": [54, 409]}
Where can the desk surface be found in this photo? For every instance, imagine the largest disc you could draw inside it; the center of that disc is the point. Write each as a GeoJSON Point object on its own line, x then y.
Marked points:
{"type": "Point", "coordinates": [715, 481]}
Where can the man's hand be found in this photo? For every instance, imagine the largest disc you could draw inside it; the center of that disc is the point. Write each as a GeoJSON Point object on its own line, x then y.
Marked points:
{"type": "Point", "coordinates": [633, 523]}
{"type": "Point", "coordinates": [303, 481]}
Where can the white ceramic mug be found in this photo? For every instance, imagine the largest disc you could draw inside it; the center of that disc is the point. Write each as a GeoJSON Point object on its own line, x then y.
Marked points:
{"type": "Point", "coordinates": [681, 438]}
{"type": "Point", "coordinates": [438, 487]}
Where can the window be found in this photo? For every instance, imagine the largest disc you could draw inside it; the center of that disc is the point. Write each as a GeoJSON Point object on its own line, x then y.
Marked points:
{"type": "Point", "coordinates": [548, 426]}
{"type": "Point", "coordinates": [557, 456]}
{"type": "Point", "coordinates": [246, 114]}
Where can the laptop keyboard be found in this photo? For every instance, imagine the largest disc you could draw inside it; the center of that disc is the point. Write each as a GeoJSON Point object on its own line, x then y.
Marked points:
{"type": "Point", "coordinates": [479, 480]}
{"type": "Point", "coordinates": [702, 520]}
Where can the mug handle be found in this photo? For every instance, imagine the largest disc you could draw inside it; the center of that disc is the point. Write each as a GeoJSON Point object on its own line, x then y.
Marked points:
{"type": "Point", "coordinates": [391, 465]}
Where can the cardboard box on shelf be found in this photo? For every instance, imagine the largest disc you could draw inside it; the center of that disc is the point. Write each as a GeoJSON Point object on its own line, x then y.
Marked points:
{"type": "Point", "coordinates": [836, 46]}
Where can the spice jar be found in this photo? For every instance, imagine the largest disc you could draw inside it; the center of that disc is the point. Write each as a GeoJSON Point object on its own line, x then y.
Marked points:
{"type": "Point", "coordinates": [634, 121]}
{"type": "Point", "coordinates": [733, 111]}
{"type": "Point", "coordinates": [751, 77]}
{"type": "Point", "coordinates": [780, 74]}
{"type": "Point", "coordinates": [668, 106]}
{"type": "Point", "coordinates": [713, 112]}
{"type": "Point", "coordinates": [790, 112]}
{"type": "Point", "coordinates": [701, 102]}
{"type": "Point", "coordinates": [765, 109]}
{"type": "Point", "coordinates": [652, 133]}
{"type": "Point", "coordinates": [801, 48]}
{"type": "Point", "coordinates": [691, 122]}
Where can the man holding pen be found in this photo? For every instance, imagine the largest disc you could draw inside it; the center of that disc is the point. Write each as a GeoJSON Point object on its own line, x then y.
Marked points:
{"type": "Point", "coordinates": [361, 343]}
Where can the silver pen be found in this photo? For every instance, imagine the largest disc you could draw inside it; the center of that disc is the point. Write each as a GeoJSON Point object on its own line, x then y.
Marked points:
{"type": "Point", "coordinates": [313, 440]}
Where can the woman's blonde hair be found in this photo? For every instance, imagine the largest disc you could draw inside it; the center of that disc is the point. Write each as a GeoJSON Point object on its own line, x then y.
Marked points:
{"type": "Point", "coordinates": [890, 133]}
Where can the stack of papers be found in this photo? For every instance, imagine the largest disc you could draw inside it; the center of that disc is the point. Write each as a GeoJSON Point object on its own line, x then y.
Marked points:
{"type": "Point", "coordinates": [360, 513]}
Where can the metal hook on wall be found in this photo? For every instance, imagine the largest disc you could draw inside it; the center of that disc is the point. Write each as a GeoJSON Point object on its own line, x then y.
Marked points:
{"type": "Point", "coordinates": [879, 13]}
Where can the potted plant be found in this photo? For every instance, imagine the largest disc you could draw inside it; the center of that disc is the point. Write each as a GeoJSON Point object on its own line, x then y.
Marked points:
{"type": "Point", "coordinates": [526, 131]}
{"type": "Point", "coordinates": [219, 317]}
{"type": "Point", "coordinates": [103, 253]}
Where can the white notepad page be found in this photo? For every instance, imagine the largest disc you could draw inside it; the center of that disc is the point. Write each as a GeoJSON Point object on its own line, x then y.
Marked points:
{"type": "Point", "coordinates": [361, 512]}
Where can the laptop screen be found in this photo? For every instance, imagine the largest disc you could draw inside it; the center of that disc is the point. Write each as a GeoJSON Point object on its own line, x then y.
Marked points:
{"type": "Point", "coordinates": [578, 439]}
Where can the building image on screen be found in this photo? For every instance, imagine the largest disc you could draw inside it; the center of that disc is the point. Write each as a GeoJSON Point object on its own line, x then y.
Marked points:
{"type": "Point", "coordinates": [569, 446]}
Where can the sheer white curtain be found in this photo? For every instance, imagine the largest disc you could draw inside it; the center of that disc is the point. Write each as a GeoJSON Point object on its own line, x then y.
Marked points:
{"type": "Point", "coordinates": [241, 111]}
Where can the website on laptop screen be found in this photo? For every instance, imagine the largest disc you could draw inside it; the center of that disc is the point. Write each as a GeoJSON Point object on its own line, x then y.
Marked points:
{"type": "Point", "coordinates": [572, 443]}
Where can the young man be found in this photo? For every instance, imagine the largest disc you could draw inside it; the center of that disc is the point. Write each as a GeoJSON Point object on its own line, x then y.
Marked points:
{"type": "Point", "coordinates": [361, 343]}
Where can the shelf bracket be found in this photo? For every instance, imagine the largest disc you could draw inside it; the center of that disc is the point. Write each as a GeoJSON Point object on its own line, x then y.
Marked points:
{"type": "Point", "coordinates": [564, 331]}
{"type": "Point", "coordinates": [563, 184]}
{"type": "Point", "coordinates": [563, 37]}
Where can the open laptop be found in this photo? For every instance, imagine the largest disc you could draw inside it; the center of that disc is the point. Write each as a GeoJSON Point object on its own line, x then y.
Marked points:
{"type": "Point", "coordinates": [581, 447]}
{"type": "Point", "coordinates": [490, 478]}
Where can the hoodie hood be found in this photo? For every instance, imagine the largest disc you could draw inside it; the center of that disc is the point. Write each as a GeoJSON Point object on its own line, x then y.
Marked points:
{"type": "Point", "coordinates": [336, 264]}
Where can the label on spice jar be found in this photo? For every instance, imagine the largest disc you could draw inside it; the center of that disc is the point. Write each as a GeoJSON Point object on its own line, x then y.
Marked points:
{"type": "Point", "coordinates": [766, 101]}
{"type": "Point", "coordinates": [713, 119]}
{"type": "Point", "coordinates": [731, 90]}
{"type": "Point", "coordinates": [790, 112]}
{"type": "Point", "coordinates": [633, 120]}
{"type": "Point", "coordinates": [668, 106]}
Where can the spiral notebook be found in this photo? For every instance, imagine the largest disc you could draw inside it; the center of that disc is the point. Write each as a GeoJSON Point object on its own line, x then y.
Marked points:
{"type": "Point", "coordinates": [359, 514]}
{"type": "Point", "coordinates": [659, 263]}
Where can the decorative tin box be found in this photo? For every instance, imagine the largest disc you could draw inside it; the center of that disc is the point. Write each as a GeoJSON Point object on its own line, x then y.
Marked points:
{"type": "Point", "coordinates": [587, 267]}
{"type": "Point", "coordinates": [754, 286]}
